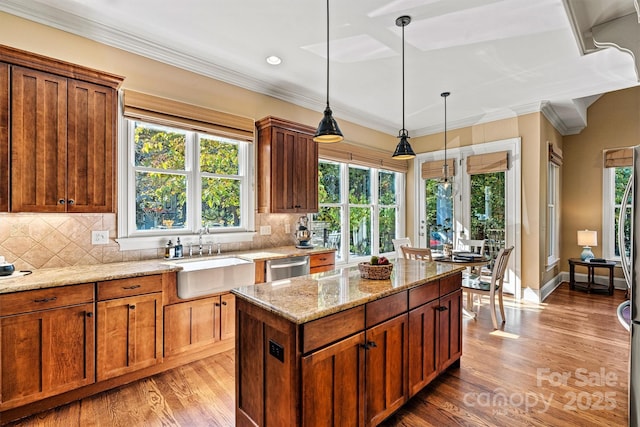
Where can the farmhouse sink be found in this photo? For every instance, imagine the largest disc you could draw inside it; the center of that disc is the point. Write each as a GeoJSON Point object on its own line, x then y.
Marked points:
{"type": "Point", "coordinates": [200, 277]}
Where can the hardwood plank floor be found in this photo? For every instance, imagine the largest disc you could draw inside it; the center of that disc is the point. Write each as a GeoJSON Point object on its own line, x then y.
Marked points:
{"type": "Point", "coordinates": [563, 362]}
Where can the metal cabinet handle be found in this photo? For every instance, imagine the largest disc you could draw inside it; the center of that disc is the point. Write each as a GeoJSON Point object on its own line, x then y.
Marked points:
{"type": "Point", "coordinates": [45, 299]}
{"type": "Point", "coordinates": [71, 201]}
{"type": "Point", "coordinates": [89, 314]}
{"type": "Point", "coordinates": [224, 303]}
{"type": "Point", "coordinates": [130, 287]}
{"type": "Point", "coordinates": [442, 308]}
{"type": "Point", "coordinates": [132, 307]}
{"type": "Point", "coordinates": [217, 304]}
{"type": "Point", "coordinates": [61, 201]}
{"type": "Point", "coordinates": [369, 345]}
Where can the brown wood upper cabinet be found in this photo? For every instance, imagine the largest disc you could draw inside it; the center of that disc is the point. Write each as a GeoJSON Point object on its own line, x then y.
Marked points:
{"type": "Point", "coordinates": [287, 167]}
{"type": "Point", "coordinates": [63, 135]}
{"type": "Point", "coordinates": [4, 137]}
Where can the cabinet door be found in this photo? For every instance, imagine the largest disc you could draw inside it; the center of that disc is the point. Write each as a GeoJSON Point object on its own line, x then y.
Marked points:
{"type": "Point", "coordinates": [305, 169]}
{"type": "Point", "coordinates": [282, 170]}
{"type": "Point", "coordinates": [4, 137]}
{"type": "Point", "coordinates": [333, 384]}
{"type": "Point", "coordinates": [386, 360]}
{"type": "Point", "coordinates": [90, 147]}
{"type": "Point", "coordinates": [39, 141]}
{"type": "Point", "coordinates": [227, 316]}
{"type": "Point", "coordinates": [191, 325]}
{"type": "Point", "coordinates": [129, 334]}
{"type": "Point", "coordinates": [423, 348]}
{"type": "Point", "coordinates": [450, 329]}
{"type": "Point", "coordinates": [46, 353]}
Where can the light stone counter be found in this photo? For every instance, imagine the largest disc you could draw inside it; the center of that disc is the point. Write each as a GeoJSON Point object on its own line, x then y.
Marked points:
{"type": "Point", "coordinates": [52, 277]}
{"type": "Point", "coordinates": [306, 298]}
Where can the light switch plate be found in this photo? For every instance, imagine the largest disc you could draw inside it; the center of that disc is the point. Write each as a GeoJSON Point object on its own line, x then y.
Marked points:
{"type": "Point", "coordinates": [100, 237]}
{"type": "Point", "coordinates": [265, 230]}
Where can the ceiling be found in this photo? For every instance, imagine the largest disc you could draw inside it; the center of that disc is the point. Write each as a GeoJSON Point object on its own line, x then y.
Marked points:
{"type": "Point", "coordinates": [498, 58]}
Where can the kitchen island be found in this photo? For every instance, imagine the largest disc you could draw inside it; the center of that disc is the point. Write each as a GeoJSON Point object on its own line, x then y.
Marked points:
{"type": "Point", "coordinates": [335, 349]}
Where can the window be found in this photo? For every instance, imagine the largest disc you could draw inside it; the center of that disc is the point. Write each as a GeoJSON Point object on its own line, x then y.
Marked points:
{"type": "Point", "coordinates": [553, 213]}
{"type": "Point", "coordinates": [615, 183]}
{"type": "Point", "coordinates": [181, 181]}
{"type": "Point", "coordinates": [365, 198]}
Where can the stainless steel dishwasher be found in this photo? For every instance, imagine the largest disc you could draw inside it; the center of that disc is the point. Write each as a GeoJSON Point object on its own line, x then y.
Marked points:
{"type": "Point", "coordinates": [284, 268]}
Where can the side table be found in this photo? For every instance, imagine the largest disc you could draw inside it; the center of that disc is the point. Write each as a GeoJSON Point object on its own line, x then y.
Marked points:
{"type": "Point", "coordinates": [590, 285]}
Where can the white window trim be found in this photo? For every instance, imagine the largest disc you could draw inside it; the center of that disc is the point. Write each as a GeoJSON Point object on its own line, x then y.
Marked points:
{"type": "Point", "coordinates": [512, 194]}
{"type": "Point", "coordinates": [608, 215]}
{"type": "Point", "coordinates": [140, 241]}
{"type": "Point", "coordinates": [345, 257]}
{"type": "Point", "coordinates": [553, 232]}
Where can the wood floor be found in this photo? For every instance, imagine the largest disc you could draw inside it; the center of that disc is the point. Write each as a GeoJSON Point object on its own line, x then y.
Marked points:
{"type": "Point", "coordinates": [563, 362]}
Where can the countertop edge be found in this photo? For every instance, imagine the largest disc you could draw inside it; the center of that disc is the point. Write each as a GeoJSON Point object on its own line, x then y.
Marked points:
{"type": "Point", "coordinates": [340, 307]}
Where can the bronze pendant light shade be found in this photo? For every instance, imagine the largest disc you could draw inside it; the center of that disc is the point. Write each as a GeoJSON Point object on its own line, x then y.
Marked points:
{"type": "Point", "coordinates": [403, 150]}
{"type": "Point", "coordinates": [328, 130]}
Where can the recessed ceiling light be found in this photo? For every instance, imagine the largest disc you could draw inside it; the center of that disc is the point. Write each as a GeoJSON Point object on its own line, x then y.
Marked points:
{"type": "Point", "coordinates": [274, 60]}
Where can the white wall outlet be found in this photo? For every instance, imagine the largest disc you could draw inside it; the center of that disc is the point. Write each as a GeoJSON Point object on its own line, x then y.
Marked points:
{"type": "Point", "coordinates": [265, 230]}
{"type": "Point", "coordinates": [287, 228]}
{"type": "Point", "coordinates": [100, 237]}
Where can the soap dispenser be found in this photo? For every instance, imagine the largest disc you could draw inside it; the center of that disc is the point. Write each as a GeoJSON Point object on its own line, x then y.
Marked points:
{"type": "Point", "coordinates": [178, 251]}
{"type": "Point", "coordinates": [170, 250]}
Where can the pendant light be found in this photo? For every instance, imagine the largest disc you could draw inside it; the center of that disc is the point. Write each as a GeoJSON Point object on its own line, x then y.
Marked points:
{"type": "Point", "coordinates": [446, 181]}
{"type": "Point", "coordinates": [403, 150]}
{"type": "Point", "coordinates": [328, 130]}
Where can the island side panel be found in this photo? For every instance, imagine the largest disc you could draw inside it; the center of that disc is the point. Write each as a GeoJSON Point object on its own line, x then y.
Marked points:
{"type": "Point", "coordinates": [266, 368]}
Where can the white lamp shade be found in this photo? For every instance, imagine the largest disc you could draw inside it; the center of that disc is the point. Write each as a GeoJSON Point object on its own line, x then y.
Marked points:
{"type": "Point", "coordinates": [587, 238]}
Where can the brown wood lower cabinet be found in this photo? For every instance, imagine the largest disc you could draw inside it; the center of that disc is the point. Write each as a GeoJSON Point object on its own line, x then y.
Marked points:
{"type": "Point", "coordinates": [194, 324]}
{"type": "Point", "coordinates": [333, 384]}
{"type": "Point", "coordinates": [354, 367]}
{"type": "Point", "coordinates": [47, 343]}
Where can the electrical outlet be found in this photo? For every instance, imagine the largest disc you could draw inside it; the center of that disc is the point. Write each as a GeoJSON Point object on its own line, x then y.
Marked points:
{"type": "Point", "coordinates": [100, 237]}
{"type": "Point", "coordinates": [265, 230]}
{"type": "Point", "coordinates": [287, 228]}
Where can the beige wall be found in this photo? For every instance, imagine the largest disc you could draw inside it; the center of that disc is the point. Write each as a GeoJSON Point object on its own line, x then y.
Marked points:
{"type": "Point", "coordinates": [613, 121]}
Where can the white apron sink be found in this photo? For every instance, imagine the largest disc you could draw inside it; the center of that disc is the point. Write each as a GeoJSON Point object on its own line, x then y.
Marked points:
{"type": "Point", "coordinates": [200, 277]}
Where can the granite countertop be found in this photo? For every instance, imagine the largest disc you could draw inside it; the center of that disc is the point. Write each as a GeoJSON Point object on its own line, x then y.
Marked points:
{"type": "Point", "coordinates": [52, 277]}
{"type": "Point", "coordinates": [306, 298]}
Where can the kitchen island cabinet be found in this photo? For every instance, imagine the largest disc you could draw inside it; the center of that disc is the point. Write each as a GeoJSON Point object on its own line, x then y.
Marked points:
{"type": "Point", "coordinates": [334, 349]}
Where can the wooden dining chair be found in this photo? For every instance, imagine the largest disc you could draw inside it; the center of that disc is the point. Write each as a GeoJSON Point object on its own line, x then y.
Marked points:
{"type": "Point", "coordinates": [416, 253]}
{"type": "Point", "coordinates": [482, 287]}
{"type": "Point", "coordinates": [471, 245]}
{"type": "Point", "coordinates": [399, 243]}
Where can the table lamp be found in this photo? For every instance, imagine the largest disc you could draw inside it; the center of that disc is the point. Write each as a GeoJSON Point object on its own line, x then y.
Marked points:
{"type": "Point", "coordinates": [586, 239]}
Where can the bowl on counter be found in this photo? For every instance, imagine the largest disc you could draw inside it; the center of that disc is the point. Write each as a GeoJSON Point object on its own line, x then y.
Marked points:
{"type": "Point", "coordinates": [6, 268]}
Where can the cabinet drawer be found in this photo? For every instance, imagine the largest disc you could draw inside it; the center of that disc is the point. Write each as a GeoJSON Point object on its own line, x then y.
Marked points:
{"type": "Point", "coordinates": [423, 294]}
{"type": "Point", "coordinates": [318, 260]}
{"type": "Point", "coordinates": [386, 308]}
{"type": "Point", "coordinates": [127, 287]}
{"type": "Point", "coordinates": [450, 284]}
{"type": "Point", "coordinates": [326, 330]}
{"type": "Point", "coordinates": [44, 299]}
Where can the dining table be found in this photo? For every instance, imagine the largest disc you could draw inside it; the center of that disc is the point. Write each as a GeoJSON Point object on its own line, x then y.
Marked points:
{"type": "Point", "coordinates": [467, 259]}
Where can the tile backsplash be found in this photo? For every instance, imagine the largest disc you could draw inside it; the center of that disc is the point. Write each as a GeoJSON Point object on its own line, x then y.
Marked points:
{"type": "Point", "coordinates": [32, 241]}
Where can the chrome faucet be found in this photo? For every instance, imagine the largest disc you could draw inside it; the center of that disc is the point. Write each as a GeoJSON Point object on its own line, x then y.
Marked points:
{"type": "Point", "coordinates": [204, 230]}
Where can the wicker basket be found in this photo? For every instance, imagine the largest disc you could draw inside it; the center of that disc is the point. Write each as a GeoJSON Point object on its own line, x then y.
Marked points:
{"type": "Point", "coordinates": [375, 272]}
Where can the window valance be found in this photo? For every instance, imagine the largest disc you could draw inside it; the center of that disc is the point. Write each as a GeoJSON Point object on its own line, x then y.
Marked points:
{"type": "Point", "coordinates": [488, 163]}
{"type": "Point", "coordinates": [363, 156]}
{"type": "Point", "coordinates": [168, 112]}
{"type": "Point", "coordinates": [555, 154]}
{"type": "Point", "coordinates": [618, 157]}
{"type": "Point", "coordinates": [433, 169]}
